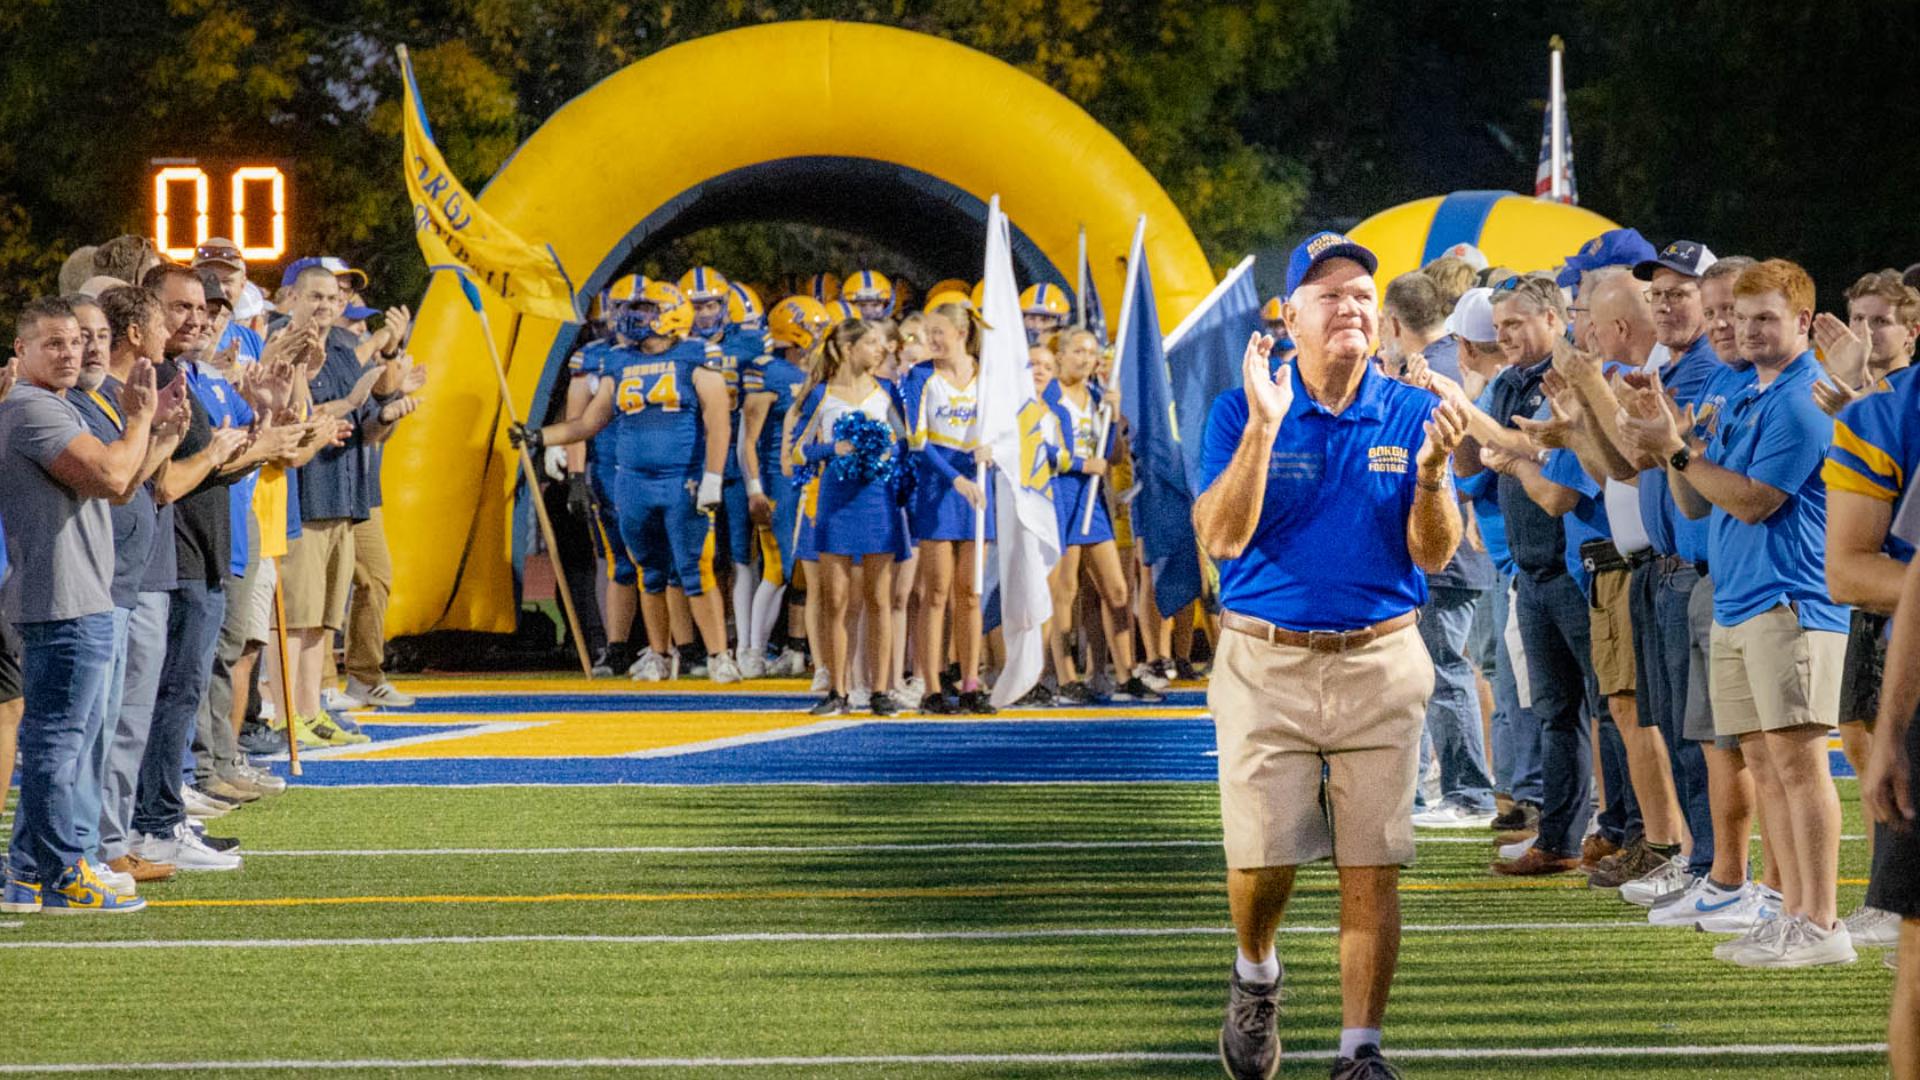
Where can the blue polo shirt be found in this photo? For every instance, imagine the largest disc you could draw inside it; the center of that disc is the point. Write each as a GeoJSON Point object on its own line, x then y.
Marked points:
{"type": "Point", "coordinates": [225, 406]}
{"type": "Point", "coordinates": [1777, 435]}
{"type": "Point", "coordinates": [1876, 449]}
{"type": "Point", "coordinates": [1330, 549]}
{"type": "Point", "coordinates": [1692, 539]}
{"type": "Point", "coordinates": [1684, 377]}
{"type": "Point", "coordinates": [1587, 521]}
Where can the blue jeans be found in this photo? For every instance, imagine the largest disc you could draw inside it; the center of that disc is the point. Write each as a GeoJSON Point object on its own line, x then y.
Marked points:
{"type": "Point", "coordinates": [1453, 713]}
{"type": "Point", "coordinates": [89, 782]}
{"type": "Point", "coordinates": [1663, 653]}
{"type": "Point", "coordinates": [194, 614]}
{"type": "Point", "coordinates": [1557, 633]}
{"type": "Point", "coordinates": [64, 665]}
{"type": "Point", "coordinates": [128, 726]}
{"type": "Point", "coordinates": [1516, 737]}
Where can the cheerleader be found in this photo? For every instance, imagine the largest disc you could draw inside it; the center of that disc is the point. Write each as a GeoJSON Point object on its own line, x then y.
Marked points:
{"type": "Point", "coordinates": [1088, 540]}
{"type": "Point", "coordinates": [943, 400]}
{"type": "Point", "coordinates": [858, 519]}
{"type": "Point", "coordinates": [904, 350]}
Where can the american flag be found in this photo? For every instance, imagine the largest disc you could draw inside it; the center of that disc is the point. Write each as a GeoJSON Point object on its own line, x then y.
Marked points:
{"type": "Point", "coordinates": [1556, 106]}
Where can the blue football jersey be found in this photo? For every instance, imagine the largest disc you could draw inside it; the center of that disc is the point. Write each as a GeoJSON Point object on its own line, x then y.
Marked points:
{"type": "Point", "coordinates": [657, 409]}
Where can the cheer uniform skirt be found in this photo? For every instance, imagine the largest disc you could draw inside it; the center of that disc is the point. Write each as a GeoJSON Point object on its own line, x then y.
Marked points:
{"type": "Point", "coordinates": [1070, 494]}
{"type": "Point", "coordinates": [858, 518]}
{"type": "Point", "coordinates": [936, 510]}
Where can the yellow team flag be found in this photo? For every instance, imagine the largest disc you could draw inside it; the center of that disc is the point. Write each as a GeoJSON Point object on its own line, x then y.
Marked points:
{"type": "Point", "coordinates": [456, 232]}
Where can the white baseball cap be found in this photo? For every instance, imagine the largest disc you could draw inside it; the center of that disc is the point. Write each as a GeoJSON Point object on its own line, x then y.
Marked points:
{"type": "Point", "coordinates": [1472, 317]}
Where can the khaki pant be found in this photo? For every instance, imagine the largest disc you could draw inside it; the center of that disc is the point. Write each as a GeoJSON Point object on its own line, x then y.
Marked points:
{"type": "Point", "coordinates": [1770, 674]}
{"type": "Point", "coordinates": [367, 615]}
{"type": "Point", "coordinates": [1611, 624]}
{"type": "Point", "coordinates": [316, 574]}
{"type": "Point", "coordinates": [1282, 714]}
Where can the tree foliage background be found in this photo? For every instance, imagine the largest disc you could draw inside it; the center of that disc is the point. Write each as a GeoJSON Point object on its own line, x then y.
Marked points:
{"type": "Point", "coordinates": [1763, 126]}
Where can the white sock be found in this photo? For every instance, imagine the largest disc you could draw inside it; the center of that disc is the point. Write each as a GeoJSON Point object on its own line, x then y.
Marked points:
{"type": "Point", "coordinates": [766, 611]}
{"type": "Point", "coordinates": [743, 583]}
{"type": "Point", "coordinates": [1352, 1039]}
{"type": "Point", "coordinates": [1258, 971]}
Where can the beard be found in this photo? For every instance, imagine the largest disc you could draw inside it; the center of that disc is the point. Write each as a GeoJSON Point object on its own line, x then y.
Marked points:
{"type": "Point", "coordinates": [92, 378]}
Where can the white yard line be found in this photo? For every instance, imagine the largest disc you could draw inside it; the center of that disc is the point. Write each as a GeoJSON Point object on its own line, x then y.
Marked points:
{"type": "Point", "coordinates": [1447, 1053]}
{"type": "Point", "coordinates": [1071, 933]}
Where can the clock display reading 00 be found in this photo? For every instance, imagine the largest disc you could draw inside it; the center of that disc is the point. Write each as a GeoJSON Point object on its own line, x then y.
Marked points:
{"type": "Point", "coordinates": [253, 196]}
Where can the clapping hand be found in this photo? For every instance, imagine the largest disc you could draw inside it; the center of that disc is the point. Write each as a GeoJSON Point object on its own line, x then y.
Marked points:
{"type": "Point", "coordinates": [1557, 431]}
{"type": "Point", "coordinates": [1445, 428]}
{"type": "Point", "coordinates": [227, 443]}
{"type": "Point", "coordinates": [1843, 353]}
{"type": "Point", "coordinates": [1269, 392]}
{"type": "Point", "coordinates": [139, 395]}
{"type": "Point", "coordinates": [398, 320]}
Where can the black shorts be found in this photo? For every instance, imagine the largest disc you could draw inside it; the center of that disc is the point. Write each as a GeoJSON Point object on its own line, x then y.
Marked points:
{"type": "Point", "coordinates": [1866, 662]}
{"type": "Point", "coordinates": [11, 685]}
{"type": "Point", "coordinates": [1895, 884]}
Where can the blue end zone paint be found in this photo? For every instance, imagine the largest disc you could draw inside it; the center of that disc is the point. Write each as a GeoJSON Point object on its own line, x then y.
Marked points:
{"type": "Point", "coordinates": [890, 753]}
{"type": "Point", "coordinates": [1458, 220]}
{"type": "Point", "coordinates": [693, 701]}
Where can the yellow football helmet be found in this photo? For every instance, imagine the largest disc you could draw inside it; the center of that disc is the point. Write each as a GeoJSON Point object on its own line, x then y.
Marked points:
{"type": "Point", "coordinates": [673, 322]}
{"type": "Point", "coordinates": [626, 290]}
{"type": "Point", "coordinates": [798, 322]}
{"type": "Point", "coordinates": [1045, 299]}
{"type": "Point", "coordinates": [979, 294]}
{"type": "Point", "coordinates": [948, 285]}
{"type": "Point", "coordinates": [823, 287]}
{"type": "Point", "coordinates": [743, 305]}
{"type": "Point", "coordinates": [949, 296]}
{"type": "Point", "coordinates": [840, 311]}
{"type": "Point", "coordinates": [871, 292]}
{"type": "Point", "coordinates": [703, 283]}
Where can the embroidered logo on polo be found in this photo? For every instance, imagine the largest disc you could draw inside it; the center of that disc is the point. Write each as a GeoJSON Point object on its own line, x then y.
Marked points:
{"type": "Point", "coordinates": [1388, 459]}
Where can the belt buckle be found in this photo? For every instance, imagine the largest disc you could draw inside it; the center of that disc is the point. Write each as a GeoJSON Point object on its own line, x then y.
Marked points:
{"type": "Point", "coordinates": [1327, 641]}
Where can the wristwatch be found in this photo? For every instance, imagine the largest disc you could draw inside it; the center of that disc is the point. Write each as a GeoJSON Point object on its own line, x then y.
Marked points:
{"type": "Point", "coordinates": [1681, 458]}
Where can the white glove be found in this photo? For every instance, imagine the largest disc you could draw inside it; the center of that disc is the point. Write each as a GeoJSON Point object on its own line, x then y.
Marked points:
{"type": "Point", "coordinates": [754, 487]}
{"type": "Point", "coordinates": [555, 464]}
{"type": "Point", "coordinates": [709, 495]}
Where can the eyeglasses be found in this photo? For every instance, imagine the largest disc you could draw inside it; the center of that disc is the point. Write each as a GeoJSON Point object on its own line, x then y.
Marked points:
{"type": "Point", "coordinates": [223, 254]}
{"type": "Point", "coordinates": [1665, 297]}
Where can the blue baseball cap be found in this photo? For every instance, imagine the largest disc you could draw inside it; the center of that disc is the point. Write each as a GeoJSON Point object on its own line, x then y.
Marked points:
{"type": "Point", "coordinates": [1615, 247]}
{"type": "Point", "coordinates": [1320, 247]}
{"type": "Point", "coordinates": [355, 312]}
{"type": "Point", "coordinates": [337, 265]}
{"type": "Point", "coordinates": [1689, 258]}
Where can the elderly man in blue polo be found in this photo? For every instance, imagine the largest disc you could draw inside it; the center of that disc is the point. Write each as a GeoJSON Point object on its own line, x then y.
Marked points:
{"type": "Point", "coordinates": [1328, 497]}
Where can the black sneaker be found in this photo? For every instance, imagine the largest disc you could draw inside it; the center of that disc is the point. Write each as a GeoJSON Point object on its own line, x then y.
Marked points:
{"type": "Point", "coordinates": [883, 705]}
{"type": "Point", "coordinates": [1365, 1064]}
{"type": "Point", "coordinates": [950, 680]}
{"type": "Point", "coordinates": [831, 705]}
{"type": "Point", "coordinates": [1250, 1037]}
{"type": "Point", "coordinates": [1136, 689]}
{"type": "Point", "coordinates": [259, 740]}
{"type": "Point", "coordinates": [1185, 671]}
{"type": "Point", "coordinates": [1075, 693]}
{"type": "Point", "coordinates": [615, 659]}
{"type": "Point", "coordinates": [977, 702]}
{"type": "Point", "coordinates": [939, 705]}
{"type": "Point", "coordinates": [1037, 698]}
{"type": "Point", "coordinates": [693, 660]}
{"type": "Point", "coordinates": [1518, 818]}
{"type": "Point", "coordinates": [220, 843]}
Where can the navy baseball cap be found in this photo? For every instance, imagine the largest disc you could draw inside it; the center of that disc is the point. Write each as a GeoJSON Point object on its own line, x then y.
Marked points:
{"type": "Point", "coordinates": [356, 312]}
{"type": "Point", "coordinates": [1615, 247]}
{"type": "Point", "coordinates": [326, 262]}
{"type": "Point", "coordinates": [1688, 257]}
{"type": "Point", "coordinates": [1320, 247]}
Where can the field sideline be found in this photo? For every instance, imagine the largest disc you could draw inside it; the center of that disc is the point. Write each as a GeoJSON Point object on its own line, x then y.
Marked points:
{"type": "Point", "coordinates": [858, 929]}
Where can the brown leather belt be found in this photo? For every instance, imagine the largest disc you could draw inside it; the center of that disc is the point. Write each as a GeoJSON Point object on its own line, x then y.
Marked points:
{"type": "Point", "coordinates": [1320, 641]}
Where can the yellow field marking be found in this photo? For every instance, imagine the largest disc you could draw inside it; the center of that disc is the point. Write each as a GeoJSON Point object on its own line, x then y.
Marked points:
{"type": "Point", "coordinates": [570, 734]}
{"type": "Point", "coordinates": [916, 893]}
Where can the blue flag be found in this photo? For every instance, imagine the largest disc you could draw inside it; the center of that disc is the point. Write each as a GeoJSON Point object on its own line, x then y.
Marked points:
{"type": "Point", "coordinates": [1089, 315]}
{"type": "Point", "coordinates": [1163, 501]}
{"type": "Point", "coordinates": [1203, 358]}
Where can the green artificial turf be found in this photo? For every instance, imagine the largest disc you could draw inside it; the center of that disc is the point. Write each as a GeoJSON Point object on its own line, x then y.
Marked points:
{"type": "Point", "coordinates": [1594, 984]}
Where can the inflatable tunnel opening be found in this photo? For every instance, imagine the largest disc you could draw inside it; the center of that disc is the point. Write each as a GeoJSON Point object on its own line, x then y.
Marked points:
{"type": "Point", "coordinates": [933, 227]}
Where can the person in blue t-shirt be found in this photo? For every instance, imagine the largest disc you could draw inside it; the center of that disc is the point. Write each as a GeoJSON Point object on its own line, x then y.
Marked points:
{"type": "Point", "coordinates": [1779, 642]}
{"type": "Point", "coordinates": [1327, 499]}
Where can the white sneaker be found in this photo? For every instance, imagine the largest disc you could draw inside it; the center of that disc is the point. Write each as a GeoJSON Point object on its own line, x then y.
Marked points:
{"type": "Point", "coordinates": [1803, 945]}
{"type": "Point", "coordinates": [753, 665]}
{"type": "Point", "coordinates": [184, 850]}
{"type": "Point", "coordinates": [1146, 674]}
{"type": "Point", "coordinates": [121, 884]}
{"type": "Point", "coordinates": [1754, 908]}
{"type": "Point", "coordinates": [861, 700]}
{"type": "Point", "coordinates": [268, 783]}
{"type": "Point", "coordinates": [791, 663]}
{"type": "Point", "coordinates": [1872, 928]}
{"type": "Point", "coordinates": [651, 667]}
{"type": "Point", "coordinates": [1452, 815]}
{"type": "Point", "coordinates": [912, 692]}
{"type": "Point", "coordinates": [1515, 849]}
{"type": "Point", "coordinates": [203, 806]}
{"type": "Point", "coordinates": [1658, 882]}
{"type": "Point", "coordinates": [822, 680]}
{"type": "Point", "coordinates": [384, 695]}
{"type": "Point", "coordinates": [1765, 933]}
{"type": "Point", "coordinates": [721, 668]}
{"type": "Point", "coordinates": [1702, 900]}
{"type": "Point", "coordinates": [333, 700]}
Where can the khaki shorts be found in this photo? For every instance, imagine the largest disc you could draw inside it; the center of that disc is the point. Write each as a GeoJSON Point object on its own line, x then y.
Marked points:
{"type": "Point", "coordinates": [1771, 674]}
{"type": "Point", "coordinates": [316, 575]}
{"type": "Point", "coordinates": [1612, 632]}
{"type": "Point", "coordinates": [1281, 713]}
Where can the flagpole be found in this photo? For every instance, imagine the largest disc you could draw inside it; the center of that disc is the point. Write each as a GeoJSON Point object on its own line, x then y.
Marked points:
{"type": "Point", "coordinates": [286, 676]}
{"type": "Point", "coordinates": [1135, 256]}
{"type": "Point", "coordinates": [1557, 110]}
{"type": "Point", "coordinates": [1200, 310]}
{"type": "Point", "coordinates": [980, 533]}
{"type": "Point", "coordinates": [1080, 288]}
{"type": "Point", "coordinates": [532, 477]}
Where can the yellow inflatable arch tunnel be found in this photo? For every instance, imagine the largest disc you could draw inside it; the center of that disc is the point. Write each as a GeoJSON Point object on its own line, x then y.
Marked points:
{"type": "Point", "coordinates": [921, 130]}
{"type": "Point", "coordinates": [1516, 231]}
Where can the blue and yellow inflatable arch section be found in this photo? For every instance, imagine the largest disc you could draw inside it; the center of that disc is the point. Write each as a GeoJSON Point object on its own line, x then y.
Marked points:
{"type": "Point", "coordinates": [1516, 231]}
{"type": "Point", "coordinates": [684, 139]}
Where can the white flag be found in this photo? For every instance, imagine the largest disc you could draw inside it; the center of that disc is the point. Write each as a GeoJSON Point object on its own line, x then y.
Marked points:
{"type": "Point", "coordinates": [1012, 423]}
